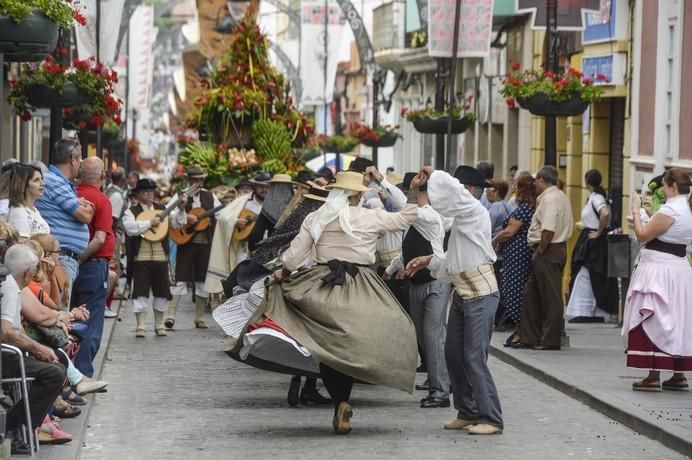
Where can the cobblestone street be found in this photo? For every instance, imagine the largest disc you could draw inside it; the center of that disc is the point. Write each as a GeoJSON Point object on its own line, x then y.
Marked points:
{"type": "Point", "coordinates": [181, 396]}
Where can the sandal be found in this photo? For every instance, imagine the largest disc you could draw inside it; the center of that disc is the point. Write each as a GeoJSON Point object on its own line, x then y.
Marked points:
{"type": "Point", "coordinates": [675, 384]}
{"type": "Point", "coordinates": [66, 410]}
{"type": "Point", "coordinates": [73, 398]}
{"type": "Point", "coordinates": [647, 385]}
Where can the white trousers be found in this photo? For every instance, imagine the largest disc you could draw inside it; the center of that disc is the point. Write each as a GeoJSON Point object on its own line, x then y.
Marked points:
{"type": "Point", "coordinates": [180, 288]}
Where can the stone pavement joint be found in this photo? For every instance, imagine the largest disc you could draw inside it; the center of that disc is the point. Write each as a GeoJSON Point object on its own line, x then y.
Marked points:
{"type": "Point", "coordinates": [593, 371]}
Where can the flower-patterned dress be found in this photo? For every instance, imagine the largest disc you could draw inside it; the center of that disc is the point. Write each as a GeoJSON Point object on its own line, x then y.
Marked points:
{"type": "Point", "coordinates": [516, 262]}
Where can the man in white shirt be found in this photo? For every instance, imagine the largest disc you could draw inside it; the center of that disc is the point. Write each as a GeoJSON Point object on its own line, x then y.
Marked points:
{"type": "Point", "coordinates": [43, 364]}
{"type": "Point", "coordinates": [427, 296]}
{"type": "Point", "coordinates": [469, 264]}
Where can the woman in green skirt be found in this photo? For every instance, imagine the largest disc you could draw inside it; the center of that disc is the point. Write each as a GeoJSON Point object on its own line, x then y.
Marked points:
{"type": "Point", "coordinates": [340, 310]}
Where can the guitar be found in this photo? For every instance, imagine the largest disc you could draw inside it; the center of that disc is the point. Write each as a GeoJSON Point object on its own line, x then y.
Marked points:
{"type": "Point", "coordinates": [185, 234]}
{"type": "Point", "coordinates": [243, 234]}
{"type": "Point", "coordinates": [159, 233]}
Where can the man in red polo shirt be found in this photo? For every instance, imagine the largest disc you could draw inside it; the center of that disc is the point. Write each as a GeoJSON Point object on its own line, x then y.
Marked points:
{"type": "Point", "coordinates": [91, 285]}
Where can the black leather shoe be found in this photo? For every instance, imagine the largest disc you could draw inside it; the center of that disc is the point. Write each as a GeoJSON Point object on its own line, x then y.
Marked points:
{"type": "Point", "coordinates": [293, 391]}
{"type": "Point", "coordinates": [586, 319]}
{"type": "Point", "coordinates": [432, 402]}
{"type": "Point", "coordinates": [423, 387]}
{"type": "Point", "coordinates": [520, 345]}
{"type": "Point", "coordinates": [422, 369]}
{"type": "Point", "coordinates": [313, 397]}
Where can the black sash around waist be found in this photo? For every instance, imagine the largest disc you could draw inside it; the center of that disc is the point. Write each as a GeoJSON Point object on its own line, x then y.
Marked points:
{"type": "Point", "coordinates": [338, 270]}
{"type": "Point", "coordinates": [679, 250]}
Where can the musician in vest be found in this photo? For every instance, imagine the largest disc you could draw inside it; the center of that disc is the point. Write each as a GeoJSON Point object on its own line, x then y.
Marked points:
{"type": "Point", "coordinates": [150, 261]}
{"type": "Point", "coordinates": [192, 259]}
{"type": "Point", "coordinates": [428, 296]}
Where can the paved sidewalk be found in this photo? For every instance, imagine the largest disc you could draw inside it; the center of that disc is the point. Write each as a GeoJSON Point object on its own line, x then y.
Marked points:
{"type": "Point", "coordinates": [593, 371]}
{"type": "Point", "coordinates": [181, 396]}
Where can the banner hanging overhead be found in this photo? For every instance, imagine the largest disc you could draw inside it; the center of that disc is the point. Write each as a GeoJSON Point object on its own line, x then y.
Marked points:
{"type": "Point", "coordinates": [317, 91]}
{"type": "Point", "coordinates": [111, 16]}
{"type": "Point", "coordinates": [475, 28]}
{"type": "Point", "coordinates": [141, 61]}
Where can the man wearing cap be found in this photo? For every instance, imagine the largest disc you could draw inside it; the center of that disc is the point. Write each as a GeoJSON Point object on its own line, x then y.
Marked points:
{"type": "Point", "coordinates": [149, 260]}
{"type": "Point", "coordinates": [192, 259]}
{"type": "Point", "coordinates": [551, 226]}
{"type": "Point", "coordinates": [427, 296]}
{"type": "Point", "coordinates": [469, 263]}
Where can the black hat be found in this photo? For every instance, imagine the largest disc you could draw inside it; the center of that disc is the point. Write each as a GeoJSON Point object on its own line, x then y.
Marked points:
{"type": "Point", "coordinates": [316, 193]}
{"type": "Point", "coordinates": [144, 185]}
{"type": "Point", "coordinates": [303, 177]}
{"type": "Point", "coordinates": [326, 173]}
{"type": "Point", "coordinates": [261, 178]}
{"type": "Point", "coordinates": [468, 175]}
{"type": "Point", "coordinates": [360, 164]}
{"type": "Point", "coordinates": [656, 182]}
{"type": "Point", "coordinates": [244, 182]}
{"type": "Point", "coordinates": [408, 177]}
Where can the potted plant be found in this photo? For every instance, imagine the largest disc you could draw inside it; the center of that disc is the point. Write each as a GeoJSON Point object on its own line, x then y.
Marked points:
{"type": "Point", "coordinates": [109, 133]}
{"type": "Point", "coordinates": [29, 28]}
{"type": "Point", "coordinates": [86, 84]}
{"type": "Point", "coordinates": [337, 143]}
{"type": "Point", "coordinates": [542, 92]}
{"type": "Point", "coordinates": [431, 121]}
{"type": "Point", "coordinates": [380, 136]}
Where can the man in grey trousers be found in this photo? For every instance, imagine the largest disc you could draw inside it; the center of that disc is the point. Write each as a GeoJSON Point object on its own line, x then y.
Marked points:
{"type": "Point", "coordinates": [428, 297]}
{"type": "Point", "coordinates": [469, 264]}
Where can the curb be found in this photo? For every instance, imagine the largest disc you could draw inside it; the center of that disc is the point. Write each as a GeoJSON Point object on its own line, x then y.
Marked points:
{"type": "Point", "coordinates": [78, 426]}
{"type": "Point", "coordinates": [674, 441]}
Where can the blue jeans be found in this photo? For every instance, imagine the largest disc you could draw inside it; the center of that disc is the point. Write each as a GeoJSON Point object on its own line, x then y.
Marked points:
{"type": "Point", "coordinates": [91, 288]}
{"type": "Point", "coordinates": [469, 328]}
{"type": "Point", "coordinates": [71, 268]}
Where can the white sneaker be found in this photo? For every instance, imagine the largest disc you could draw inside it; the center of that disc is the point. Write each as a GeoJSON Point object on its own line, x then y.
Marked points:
{"type": "Point", "coordinates": [86, 386]}
{"type": "Point", "coordinates": [109, 313]}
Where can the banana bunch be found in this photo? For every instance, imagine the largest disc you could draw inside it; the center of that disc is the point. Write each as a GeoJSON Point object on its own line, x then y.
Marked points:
{"type": "Point", "coordinates": [203, 155]}
{"type": "Point", "coordinates": [272, 139]}
{"type": "Point", "coordinates": [242, 159]}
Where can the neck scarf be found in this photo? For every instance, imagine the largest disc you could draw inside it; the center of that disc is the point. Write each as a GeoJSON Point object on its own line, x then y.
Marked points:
{"type": "Point", "coordinates": [336, 207]}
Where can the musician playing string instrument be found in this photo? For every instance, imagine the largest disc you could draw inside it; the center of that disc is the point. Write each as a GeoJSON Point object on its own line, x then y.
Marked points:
{"type": "Point", "coordinates": [192, 258]}
{"type": "Point", "coordinates": [150, 261]}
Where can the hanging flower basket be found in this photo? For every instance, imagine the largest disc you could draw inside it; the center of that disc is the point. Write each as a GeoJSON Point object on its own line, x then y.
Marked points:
{"type": "Point", "coordinates": [438, 125]}
{"type": "Point", "coordinates": [45, 96]}
{"type": "Point", "coordinates": [540, 104]}
{"type": "Point", "coordinates": [32, 39]}
{"type": "Point", "coordinates": [337, 143]}
{"type": "Point", "coordinates": [78, 119]}
{"type": "Point", "coordinates": [387, 140]}
{"type": "Point", "coordinates": [106, 137]}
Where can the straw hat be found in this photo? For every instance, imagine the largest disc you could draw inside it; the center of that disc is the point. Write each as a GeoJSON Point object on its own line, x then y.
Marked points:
{"type": "Point", "coordinates": [348, 180]}
{"type": "Point", "coordinates": [281, 179]}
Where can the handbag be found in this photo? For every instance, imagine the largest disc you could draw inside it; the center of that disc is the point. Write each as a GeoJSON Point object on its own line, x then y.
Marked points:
{"type": "Point", "coordinates": [619, 259]}
{"type": "Point", "coordinates": [51, 336]}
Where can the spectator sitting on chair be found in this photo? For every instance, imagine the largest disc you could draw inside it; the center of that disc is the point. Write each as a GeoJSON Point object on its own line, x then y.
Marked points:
{"type": "Point", "coordinates": [43, 365]}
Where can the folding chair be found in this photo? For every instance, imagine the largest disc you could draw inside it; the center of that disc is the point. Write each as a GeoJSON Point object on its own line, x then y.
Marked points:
{"type": "Point", "coordinates": [23, 381]}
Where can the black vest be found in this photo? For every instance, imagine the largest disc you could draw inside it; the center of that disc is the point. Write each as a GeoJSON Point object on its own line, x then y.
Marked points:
{"type": "Point", "coordinates": [414, 245]}
{"type": "Point", "coordinates": [134, 242]}
{"type": "Point", "coordinates": [206, 201]}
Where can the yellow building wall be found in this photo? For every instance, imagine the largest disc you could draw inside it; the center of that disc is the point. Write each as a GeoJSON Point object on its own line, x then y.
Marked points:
{"type": "Point", "coordinates": [578, 151]}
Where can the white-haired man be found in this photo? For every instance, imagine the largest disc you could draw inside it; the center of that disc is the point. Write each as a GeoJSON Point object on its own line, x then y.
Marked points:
{"type": "Point", "coordinates": [43, 364]}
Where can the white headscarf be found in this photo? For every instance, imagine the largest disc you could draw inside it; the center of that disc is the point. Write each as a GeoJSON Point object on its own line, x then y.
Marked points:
{"type": "Point", "coordinates": [336, 206]}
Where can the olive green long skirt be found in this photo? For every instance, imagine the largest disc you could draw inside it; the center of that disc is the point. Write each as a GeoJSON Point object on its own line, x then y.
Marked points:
{"type": "Point", "coordinates": [357, 328]}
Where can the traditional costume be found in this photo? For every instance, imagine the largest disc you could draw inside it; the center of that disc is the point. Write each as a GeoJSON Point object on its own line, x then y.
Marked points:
{"type": "Point", "coordinates": [149, 264]}
{"type": "Point", "coordinates": [339, 311]}
{"type": "Point", "coordinates": [192, 259]}
{"type": "Point", "coordinates": [279, 196]}
{"type": "Point", "coordinates": [658, 310]}
{"type": "Point", "coordinates": [428, 298]}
